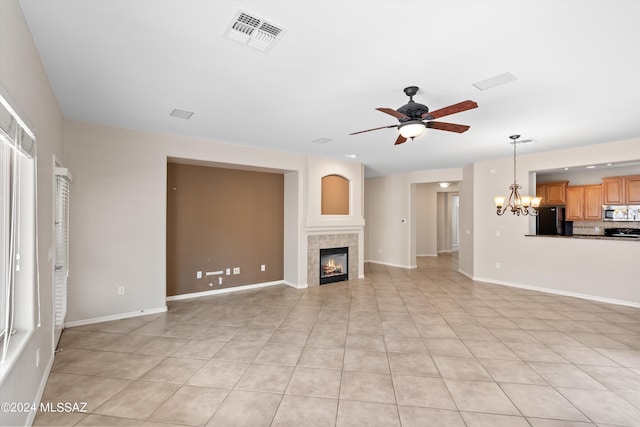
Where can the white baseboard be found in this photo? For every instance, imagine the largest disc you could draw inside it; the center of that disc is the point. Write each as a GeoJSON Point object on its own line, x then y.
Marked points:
{"type": "Point", "coordinates": [119, 316]}
{"type": "Point", "coordinates": [293, 285]}
{"type": "Point", "coordinates": [464, 273]}
{"type": "Point", "coordinates": [559, 292]}
{"type": "Point", "coordinates": [426, 254]}
{"type": "Point", "coordinates": [227, 290]}
{"type": "Point", "coordinates": [391, 264]}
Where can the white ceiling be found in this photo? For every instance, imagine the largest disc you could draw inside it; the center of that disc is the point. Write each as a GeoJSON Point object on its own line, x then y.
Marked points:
{"type": "Point", "coordinates": [129, 63]}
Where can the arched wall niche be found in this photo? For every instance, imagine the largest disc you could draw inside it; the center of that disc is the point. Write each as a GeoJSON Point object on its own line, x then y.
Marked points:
{"type": "Point", "coordinates": [334, 195]}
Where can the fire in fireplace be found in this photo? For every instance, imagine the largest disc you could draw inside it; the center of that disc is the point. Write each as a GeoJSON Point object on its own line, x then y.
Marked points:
{"type": "Point", "coordinates": [334, 265]}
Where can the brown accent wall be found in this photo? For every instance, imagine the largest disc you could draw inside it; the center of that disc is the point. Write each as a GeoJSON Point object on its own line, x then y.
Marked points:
{"type": "Point", "coordinates": [222, 218]}
{"type": "Point", "coordinates": [335, 195]}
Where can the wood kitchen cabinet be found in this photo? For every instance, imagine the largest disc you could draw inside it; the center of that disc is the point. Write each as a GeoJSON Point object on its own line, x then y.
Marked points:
{"type": "Point", "coordinates": [632, 190]}
{"type": "Point", "coordinates": [584, 203]}
{"type": "Point", "coordinates": [552, 193]}
{"type": "Point", "coordinates": [613, 190]}
{"type": "Point", "coordinates": [621, 190]}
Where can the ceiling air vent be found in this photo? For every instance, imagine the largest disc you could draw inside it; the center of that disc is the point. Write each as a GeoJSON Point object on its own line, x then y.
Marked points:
{"type": "Point", "coordinates": [253, 31]}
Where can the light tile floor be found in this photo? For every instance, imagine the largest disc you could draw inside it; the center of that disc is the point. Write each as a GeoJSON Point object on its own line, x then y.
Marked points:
{"type": "Point", "coordinates": [415, 347]}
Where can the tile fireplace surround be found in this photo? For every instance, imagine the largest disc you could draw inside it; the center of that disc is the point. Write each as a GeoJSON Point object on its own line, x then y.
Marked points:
{"type": "Point", "coordinates": [327, 241]}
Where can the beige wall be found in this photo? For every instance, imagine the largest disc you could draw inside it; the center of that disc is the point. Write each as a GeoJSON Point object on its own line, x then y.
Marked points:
{"type": "Point", "coordinates": [597, 268]}
{"type": "Point", "coordinates": [433, 218]}
{"type": "Point", "coordinates": [467, 207]}
{"type": "Point", "coordinates": [445, 218]}
{"type": "Point", "coordinates": [118, 213]}
{"type": "Point", "coordinates": [24, 82]}
{"type": "Point", "coordinates": [390, 200]}
{"type": "Point", "coordinates": [219, 219]}
{"type": "Point", "coordinates": [592, 268]}
{"type": "Point", "coordinates": [426, 219]}
{"type": "Point", "coordinates": [387, 237]}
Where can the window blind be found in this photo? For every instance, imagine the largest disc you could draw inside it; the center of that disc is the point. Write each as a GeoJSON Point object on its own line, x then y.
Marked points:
{"type": "Point", "coordinates": [61, 272]}
{"type": "Point", "coordinates": [14, 132]}
{"type": "Point", "coordinates": [17, 146]}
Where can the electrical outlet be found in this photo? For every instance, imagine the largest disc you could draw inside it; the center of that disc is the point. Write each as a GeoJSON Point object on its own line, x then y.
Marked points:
{"type": "Point", "coordinates": [498, 265]}
{"type": "Point", "coordinates": [219, 280]}
{"type": "Point", "coordinates": [263, 267]}
{"type": "Point", "coordinates": [228, 271]}
{"type": "Point", "coordinates": [199, 275]}
{"type": "Point", "coordinates": [236, 270]}
{"type": "Point", "coordinates": [121, 290]}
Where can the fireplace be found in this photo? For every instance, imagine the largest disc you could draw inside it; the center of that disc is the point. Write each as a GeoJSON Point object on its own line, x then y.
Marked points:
{"type": "Point", "coordinates": [334, 265]}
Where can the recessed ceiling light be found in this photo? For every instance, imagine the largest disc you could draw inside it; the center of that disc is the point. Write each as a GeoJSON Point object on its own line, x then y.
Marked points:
{"type": "Point", "coordinates": [591, 167]}
{"type": "Point", "coordinates": [181, 114]}
{"type": "Point", "coordinates": [494, 81]}
{"type": "Point", "coordinates": [322, 140]}
{"type": "Point", "coordinates": [351, 156]}
{"type": "Point", "coordinates": [445, 184]}
{"type": "Point", "coordinates": [566, 169]}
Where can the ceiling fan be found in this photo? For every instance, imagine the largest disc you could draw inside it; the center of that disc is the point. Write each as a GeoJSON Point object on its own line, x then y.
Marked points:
{"type": "Point", "coordinates": [415, 118]}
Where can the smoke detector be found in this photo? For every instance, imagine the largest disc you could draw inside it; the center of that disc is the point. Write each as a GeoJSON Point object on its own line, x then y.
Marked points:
{"type": "Point", "coordinates": [254, 31]}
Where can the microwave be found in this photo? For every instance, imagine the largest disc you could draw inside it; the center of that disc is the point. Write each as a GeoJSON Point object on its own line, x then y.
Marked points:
{"type": "Point", "coordinates": [620, 213]}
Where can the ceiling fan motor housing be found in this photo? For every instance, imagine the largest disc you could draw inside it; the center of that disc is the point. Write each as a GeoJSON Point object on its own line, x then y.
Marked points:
{"type": "Point", "coordinates": [413, 110]}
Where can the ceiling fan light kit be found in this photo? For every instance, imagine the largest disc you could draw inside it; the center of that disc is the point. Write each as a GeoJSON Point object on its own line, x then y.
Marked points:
{"type": "Point", "coordinates": [517, 204]}
{"type": "Point", "coordinates": [412, 128]}
{"type": "Point", "coordinates": [415, 118]}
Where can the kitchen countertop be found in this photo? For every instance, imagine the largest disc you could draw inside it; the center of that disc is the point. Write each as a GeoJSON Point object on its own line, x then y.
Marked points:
{"type": "Point", "coordinates": [586, 236]}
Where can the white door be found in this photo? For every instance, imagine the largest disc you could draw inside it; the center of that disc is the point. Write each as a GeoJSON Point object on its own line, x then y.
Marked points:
{"type": "Point", "coordinates": [61, 257]}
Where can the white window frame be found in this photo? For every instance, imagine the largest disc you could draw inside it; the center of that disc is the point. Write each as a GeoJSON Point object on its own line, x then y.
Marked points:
{"type": "Point", "coordinates": [19, 284]}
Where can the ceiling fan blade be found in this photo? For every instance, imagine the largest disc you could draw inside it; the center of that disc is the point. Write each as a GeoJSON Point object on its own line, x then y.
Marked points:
{"type": "Point", "coordinates": [369, 130]}
{"type": "Point", "coordinates": [451, 127]}
{"type": "Point", "coordinates": [451, 109]}
{"type": "Point", "coordinates": [401, 140]}
{"type": "Point", "coordinates": [394, 113]}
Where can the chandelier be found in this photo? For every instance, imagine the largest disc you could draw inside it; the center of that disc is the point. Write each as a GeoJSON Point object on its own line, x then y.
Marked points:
{"type": "Point", "coordinates": [517, 204]}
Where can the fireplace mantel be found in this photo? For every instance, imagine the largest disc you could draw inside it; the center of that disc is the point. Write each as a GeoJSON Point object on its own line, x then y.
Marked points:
{"type": "Point", "coordinates": [334, 223]}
